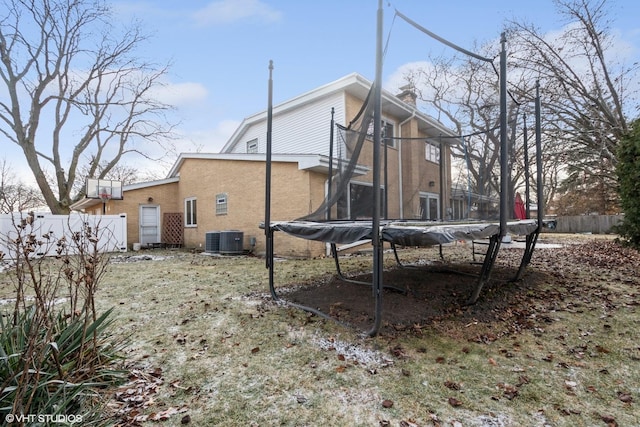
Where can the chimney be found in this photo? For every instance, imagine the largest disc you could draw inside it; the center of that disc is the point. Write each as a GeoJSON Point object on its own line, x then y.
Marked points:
{"type": "Point", "coordinates": [408, 94]}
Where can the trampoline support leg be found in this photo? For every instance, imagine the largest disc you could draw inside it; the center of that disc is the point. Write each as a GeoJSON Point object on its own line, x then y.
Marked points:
{"type": "Point", "coordinates": [487, 266]}
{"type": "Point", "coordinates": [395, 254]}
{"type": "Point", "coordinates": [334, 253]}
{"type": "Point", "coordinates": [528, 253]}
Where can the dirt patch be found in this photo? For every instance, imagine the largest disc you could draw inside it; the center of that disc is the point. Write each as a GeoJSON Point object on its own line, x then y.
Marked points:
{"type": "Point", "coordinates": [427, 295]}
{"type": "Point", "coordinates": [436, 294]}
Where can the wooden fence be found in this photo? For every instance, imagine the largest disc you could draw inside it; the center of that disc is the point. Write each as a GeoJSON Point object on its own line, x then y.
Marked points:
{"type": "Point", "coordinates": [596, 224]}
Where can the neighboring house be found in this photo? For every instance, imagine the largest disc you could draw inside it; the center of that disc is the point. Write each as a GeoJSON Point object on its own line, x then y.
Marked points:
{"type": "Point", "coordinates": [226, 190]}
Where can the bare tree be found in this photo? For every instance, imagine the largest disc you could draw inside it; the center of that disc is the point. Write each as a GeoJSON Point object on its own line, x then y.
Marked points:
{"type": "Point", "coordinates": [586, 96]}
{"type": "Point", "coordinates": [464, 93]}
{"type": "Point", "coordinates": [16, 196]}
{"type": "Point", "coordinates": [585, 91]}
{"type": "Point", "coordinates": [76, 91]}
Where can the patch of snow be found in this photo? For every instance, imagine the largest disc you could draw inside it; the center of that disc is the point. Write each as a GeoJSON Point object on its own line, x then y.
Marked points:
{"type": "Point", "coordinates": [119, 259]}
{"type": "Point", "coordinates": [494, 421]}
{"type": "Point", "coordinates": [352, 352]}
{"type": "Point", "coordinates": [4, 301]}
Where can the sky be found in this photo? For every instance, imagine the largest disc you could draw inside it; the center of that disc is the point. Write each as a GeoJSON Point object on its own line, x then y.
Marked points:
{"type": "Point", "coordinates": [220, 50]}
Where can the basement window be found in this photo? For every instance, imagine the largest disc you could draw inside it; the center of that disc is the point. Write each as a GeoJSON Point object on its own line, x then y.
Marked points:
{"type": "Point", "coordinates": [252, 146]}
{"type": "Point", "coordinates": [221, 204]}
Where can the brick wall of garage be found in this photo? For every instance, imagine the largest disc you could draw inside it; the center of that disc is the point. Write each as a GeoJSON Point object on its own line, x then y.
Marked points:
{"type": "Point", "coordinates": [164, 195]}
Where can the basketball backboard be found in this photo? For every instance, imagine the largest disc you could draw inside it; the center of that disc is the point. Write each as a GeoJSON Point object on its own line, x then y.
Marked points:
{"type": "Point", "coordinates": [99, 188]}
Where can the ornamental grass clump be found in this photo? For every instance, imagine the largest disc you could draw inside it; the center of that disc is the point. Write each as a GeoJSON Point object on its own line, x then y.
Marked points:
{"type": "Point", "coordinates": [56, 351]}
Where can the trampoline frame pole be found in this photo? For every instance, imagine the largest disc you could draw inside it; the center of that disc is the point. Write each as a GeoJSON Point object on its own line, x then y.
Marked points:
{"type": "Point", "coordinates": [539, 159]}
{"type": "Point", "coordinates": [378, 263]}
{"type": "Point", "coordinates": [267, 197]}
{"type": "Point", "coordinates": [504, 146]}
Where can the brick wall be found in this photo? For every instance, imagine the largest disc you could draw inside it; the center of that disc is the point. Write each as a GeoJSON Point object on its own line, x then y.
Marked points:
{"type": "Point", "coordinates": [293, 194]}
{"type": "Point", "coordinates": [164, 195]}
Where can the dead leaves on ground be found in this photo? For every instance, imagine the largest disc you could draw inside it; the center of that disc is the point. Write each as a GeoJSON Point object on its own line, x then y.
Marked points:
{"type": "Point", "coordinates": [455, 402]}
{"type": "Point", "coordinates": [387, 403]}
{"type": "Point", "coordinates": [606, 254]}
{"type": "Point", "coordinates": [138, 395]}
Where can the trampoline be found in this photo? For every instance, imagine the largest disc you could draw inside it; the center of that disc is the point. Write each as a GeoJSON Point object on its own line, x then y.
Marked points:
{"type": "Point", "coordinates": [403, 233]}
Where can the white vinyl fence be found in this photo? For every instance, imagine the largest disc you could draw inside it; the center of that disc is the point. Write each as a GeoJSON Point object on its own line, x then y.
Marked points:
{"type": "Point", "coordinates": [109, 230]}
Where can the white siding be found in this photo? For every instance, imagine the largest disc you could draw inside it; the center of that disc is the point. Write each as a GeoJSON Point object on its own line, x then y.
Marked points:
{"type": "Point", "coordinates": [257, 131]}
{"type": "Point", "coordinates": [303, 130]}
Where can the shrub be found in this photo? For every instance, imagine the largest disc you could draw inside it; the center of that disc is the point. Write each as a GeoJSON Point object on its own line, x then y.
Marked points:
{"type": "Point", "coordinates": [56, 351]}
{"type": "Point", "coordinates": [628, 170]}
{"type": "Point", "coordinates": [55, 371]}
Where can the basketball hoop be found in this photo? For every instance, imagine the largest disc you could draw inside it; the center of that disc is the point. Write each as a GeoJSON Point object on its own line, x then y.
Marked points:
{"type": "Point", "coordinates": [105, 197]}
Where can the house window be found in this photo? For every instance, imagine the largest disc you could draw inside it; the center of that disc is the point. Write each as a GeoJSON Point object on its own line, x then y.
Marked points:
{"type": "Point", "coordinates": [359, 204]}
{"type": "Point", "coordinates": [386, 131]}
{"type": "Point", "coordinates": [190, 217]}
{"type": "Point", "coordinates": [252, 146]}
{"type": "Point", "coordinates": [221, 204]}
{"type": "Point", "coordinates": [432, 152]}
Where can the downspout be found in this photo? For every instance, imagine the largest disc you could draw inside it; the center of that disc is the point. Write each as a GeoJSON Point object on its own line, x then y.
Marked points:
{"type": "Point", "coordinates": [400, 182]}
{"type": "Point", "coordinates": [329, 181]}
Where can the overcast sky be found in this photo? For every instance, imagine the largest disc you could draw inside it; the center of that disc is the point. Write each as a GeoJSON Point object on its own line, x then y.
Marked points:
{"type": "Point", "coordinates": [220, 50]}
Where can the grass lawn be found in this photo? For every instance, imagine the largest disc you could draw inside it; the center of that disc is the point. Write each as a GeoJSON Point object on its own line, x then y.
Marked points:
{"type": "Point", "coordinates": [208, 345]}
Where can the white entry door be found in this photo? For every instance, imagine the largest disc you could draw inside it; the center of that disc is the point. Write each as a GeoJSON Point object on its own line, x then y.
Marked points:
{"type": "Point", "coordinates": [149, 224]}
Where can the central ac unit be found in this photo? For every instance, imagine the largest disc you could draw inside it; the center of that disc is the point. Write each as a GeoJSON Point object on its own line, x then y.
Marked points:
{"type": "Point", "coordinates": [231, 242]}
{"type": "Point", "coordinates": [212, 242]}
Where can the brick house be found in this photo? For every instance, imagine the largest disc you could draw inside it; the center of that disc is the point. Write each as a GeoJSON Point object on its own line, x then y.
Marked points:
{"type": "Point", "coordinates": [204, 192]}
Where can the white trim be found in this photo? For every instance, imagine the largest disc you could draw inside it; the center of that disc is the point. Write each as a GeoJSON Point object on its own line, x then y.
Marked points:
{"type": "Point", "coordinates": [316, 162]}
{"type": "Point", "coordinates": [147, 184]}
{"type": "Point", "coordinates": [428, 145]}
{"type": "Point", "coordinates": [186, 200]}
{"type": "Point", "coordinates": [157, 222]}
{"type": "Point", "coordinates": [252, 146]}
{"type": "Point", "coordinates": [428, 195]}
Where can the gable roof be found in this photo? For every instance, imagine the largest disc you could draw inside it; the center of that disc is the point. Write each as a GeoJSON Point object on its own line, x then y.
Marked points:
{"type": "Point", "coordinates": [147, 184]}
{"type": "Point", "coordinates": [354, 84]}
